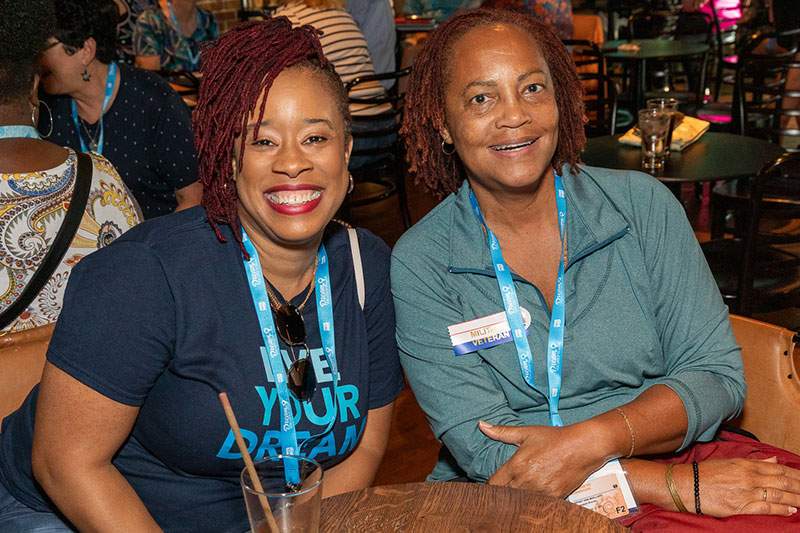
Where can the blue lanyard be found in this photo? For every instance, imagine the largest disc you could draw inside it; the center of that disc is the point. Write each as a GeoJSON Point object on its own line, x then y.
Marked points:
{"type": "Point", "coordinates": [19, 132]}
{"type": "Point", "coordinates": [555, 341]}
{"type": "Point", "coordinates": [194, 58]}
{"type": "Point", "coordinates": [272, 354]}
{"type": "Point", "coordinates": [111, 79]}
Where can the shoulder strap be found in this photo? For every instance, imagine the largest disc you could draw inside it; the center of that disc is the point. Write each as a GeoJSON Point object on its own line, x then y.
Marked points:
{"type": "Point", "coordinates": [358, 268]}
{"type": "Point", "coordinates": [53, 257]}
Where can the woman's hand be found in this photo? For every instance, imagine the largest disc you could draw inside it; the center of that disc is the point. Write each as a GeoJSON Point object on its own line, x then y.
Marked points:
{"type": "Point", "coordinates": [737, 486]}
{"type": "Point", "coordinates": [550, 460]}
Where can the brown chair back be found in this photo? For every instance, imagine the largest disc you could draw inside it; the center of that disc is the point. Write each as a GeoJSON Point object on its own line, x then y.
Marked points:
{"type": "Point", "coordinates": [772, 406]}
{"type": "Point", "coordinates": [22, 357]}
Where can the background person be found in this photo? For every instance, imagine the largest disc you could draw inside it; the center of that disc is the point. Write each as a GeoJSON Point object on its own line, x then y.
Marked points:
{"type": "Point", "coordinates": [37, 177]}
{"type": "Point", "coordinates": [168, 36]}
{"type": "Point", "coordinates": [555, 13]}
{"type": "Point", "coordinates": [607, 267]}
{"type": "Point", "coordinates": [130, 116]}
{"type": "Point", "coordinates": [375, 18]}
{"type": "Point", "coordinates": [346, 48]}
{"type": "Point", "coordinates": [127, 415]}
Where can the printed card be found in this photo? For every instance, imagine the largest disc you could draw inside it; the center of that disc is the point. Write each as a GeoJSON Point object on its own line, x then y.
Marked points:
{"type": "Point", "coordinates": [606, 492]}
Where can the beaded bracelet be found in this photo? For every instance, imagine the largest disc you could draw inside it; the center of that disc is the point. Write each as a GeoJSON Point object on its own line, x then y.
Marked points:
{"type": "Point", "coordinates": [696, 472]}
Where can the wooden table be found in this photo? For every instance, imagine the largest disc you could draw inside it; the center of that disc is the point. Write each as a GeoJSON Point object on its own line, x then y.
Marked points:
{"type": "Point", "coordinates": [456, 507]}
{"type": "Point", "coordinates": [649, 49]}
{"type": "Point", "coordinates": [715, 156]}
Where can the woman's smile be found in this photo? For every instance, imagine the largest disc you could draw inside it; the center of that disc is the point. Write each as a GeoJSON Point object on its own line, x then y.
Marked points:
{"type": "Point", "coordinates": [294, 199]}
{"type": "Point", "coordinates": [514, 147]}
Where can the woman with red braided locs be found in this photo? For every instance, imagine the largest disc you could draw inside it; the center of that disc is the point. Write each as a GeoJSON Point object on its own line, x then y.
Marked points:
{"type": "Point", "coordinates": [122, 418]}
{"type": "Point", "coordinates": [236, 70]}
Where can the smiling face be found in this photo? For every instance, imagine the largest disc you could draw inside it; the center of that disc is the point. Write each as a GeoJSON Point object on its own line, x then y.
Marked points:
{"type": "Point", "coordinates": [294, 175]}
{"type": "Point", "coordinates": [500, 108]}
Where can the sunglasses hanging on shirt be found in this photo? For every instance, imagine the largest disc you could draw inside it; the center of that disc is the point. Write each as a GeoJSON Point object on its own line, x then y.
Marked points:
{"type": "Point", "coordinates": [291, 327]}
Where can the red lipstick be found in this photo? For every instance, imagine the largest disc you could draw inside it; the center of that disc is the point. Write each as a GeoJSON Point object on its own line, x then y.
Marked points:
{"type": "Point", "coordinates": [305, 199]}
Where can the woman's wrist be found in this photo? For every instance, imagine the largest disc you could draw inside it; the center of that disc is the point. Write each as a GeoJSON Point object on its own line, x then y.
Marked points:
{"type": "Point", "coordinates": [648, 481]}
{"type": "Point", "coordinates": [610, 435]}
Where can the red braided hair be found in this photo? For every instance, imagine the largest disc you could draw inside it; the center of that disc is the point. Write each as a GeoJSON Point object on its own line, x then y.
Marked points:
{"type": "Point", "coordinates": [237, 68]}
{"type": "Point", "coordinates": [441, 173]}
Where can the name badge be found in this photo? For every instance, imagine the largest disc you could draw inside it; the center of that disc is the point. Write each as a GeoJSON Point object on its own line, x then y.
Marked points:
{"type": "Point", "coordinates": [606, 492]}
{"type": "Point", "coordinates": [484, 332]}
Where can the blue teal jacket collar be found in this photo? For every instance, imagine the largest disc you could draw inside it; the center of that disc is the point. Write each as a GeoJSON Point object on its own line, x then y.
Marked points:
{"type": "Point", "coordinates": [593, 222]}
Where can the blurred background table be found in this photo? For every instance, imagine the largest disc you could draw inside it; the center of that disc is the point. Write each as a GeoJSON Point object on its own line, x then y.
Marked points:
{"type": "Point", "coordinates": [446, 507]}
{"type": "Point", "coordinates": [715, 156]}
{"type": "Point", "coordinates": [649, 49]}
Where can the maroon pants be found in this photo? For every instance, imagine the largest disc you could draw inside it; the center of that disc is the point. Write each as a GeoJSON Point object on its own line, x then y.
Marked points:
{"type": "Point", "coordinates": [728, 446]}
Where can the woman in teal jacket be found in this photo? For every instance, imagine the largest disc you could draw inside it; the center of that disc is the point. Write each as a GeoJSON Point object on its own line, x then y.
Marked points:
{"type": "Point", "coordinates": [628, 349]}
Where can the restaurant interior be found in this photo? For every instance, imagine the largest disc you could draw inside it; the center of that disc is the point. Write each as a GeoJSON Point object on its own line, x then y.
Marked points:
{"type": "Point", "coordinates": [702, 95]}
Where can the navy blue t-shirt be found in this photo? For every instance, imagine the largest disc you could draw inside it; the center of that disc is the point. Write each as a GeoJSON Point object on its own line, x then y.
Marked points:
{"type": "Point", "coordinates": [163, 320]}
{"type": "Point", "coordinates": [148, 138]}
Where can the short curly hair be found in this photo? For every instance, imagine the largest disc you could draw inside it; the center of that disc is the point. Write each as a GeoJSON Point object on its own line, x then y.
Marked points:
{"type": "Point", "coordinates": [442, 173]}
{"type": "Point", "coordinates": [25, 26]}
{"type": "Point", "coordinates": [77, 20]}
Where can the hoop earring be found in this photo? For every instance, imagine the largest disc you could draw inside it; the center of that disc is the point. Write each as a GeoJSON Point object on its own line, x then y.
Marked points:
{"type": "Point", "coordinates": [444, 149]}
{"type": "Point", "coordinates": [85, 76]}
{"type": "Point", "coordinates": [49, 113]}
{"type": "Point", "coordinates": [352, 184]}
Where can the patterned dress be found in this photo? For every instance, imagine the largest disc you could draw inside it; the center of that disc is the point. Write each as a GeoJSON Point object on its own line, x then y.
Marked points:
{"type": "Point", "coordinates": [155, 35]}
{"type": "Point", "coordinates": [32, 209]}
{"type": "Point", "coordinates": [555, 13]}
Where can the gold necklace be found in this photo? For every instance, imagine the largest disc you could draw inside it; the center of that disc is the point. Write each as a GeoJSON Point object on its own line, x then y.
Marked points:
{"type": "Point", "coordinates": [274, 299]}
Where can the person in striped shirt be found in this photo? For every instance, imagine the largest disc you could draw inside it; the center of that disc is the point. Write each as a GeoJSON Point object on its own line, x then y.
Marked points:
{"type": "Point", "coordinates": [344, 45]}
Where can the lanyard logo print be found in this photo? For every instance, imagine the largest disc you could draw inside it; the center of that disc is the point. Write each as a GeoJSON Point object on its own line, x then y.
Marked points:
{"type": "Point", "coordinates": [555, 341]}
{"type": "Point", "coordinates": [271, 353]}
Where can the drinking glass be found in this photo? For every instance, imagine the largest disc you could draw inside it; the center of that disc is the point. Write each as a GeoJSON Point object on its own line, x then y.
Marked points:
{"type": "Point", "coordinates": [295, 507]}
{"type": "Point", "coordinates": [653, 125]}
{"type": "Point", "coordinates": [669, 106]}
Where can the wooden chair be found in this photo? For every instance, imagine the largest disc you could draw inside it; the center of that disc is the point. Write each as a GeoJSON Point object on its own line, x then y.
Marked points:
{"type": "Point", "coordinates": [22, 357]}
{"type": "Point", "coordinates": [378, 142]}
{"type": "Point", "coordinates": [771, 365]}
{"type": "Point", "coordinates": [599, 90]}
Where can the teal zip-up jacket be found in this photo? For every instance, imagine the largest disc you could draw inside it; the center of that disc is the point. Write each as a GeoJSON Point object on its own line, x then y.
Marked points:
{"type": "Point", "coordinates": [642, 308]}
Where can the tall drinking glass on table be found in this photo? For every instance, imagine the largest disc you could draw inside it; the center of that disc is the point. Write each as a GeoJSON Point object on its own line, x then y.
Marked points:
{"type": "Point", "coordinates": [291, 488]}
{"type": "Point", "coordinates": [653, 125]}
{"type": "Point", "coordinates": [669, 106]}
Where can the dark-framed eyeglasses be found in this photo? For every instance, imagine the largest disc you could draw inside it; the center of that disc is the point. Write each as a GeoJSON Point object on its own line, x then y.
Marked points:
{"type": "Point", "coordinates": [291, 327]}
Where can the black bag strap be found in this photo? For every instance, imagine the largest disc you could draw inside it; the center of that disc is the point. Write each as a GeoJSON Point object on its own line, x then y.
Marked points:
{"type": "Point", "coordinates": [53, 257]}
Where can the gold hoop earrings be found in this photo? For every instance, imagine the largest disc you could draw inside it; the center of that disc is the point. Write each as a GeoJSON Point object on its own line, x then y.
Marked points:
{"type": "Point", "coordinates": [352, 184]}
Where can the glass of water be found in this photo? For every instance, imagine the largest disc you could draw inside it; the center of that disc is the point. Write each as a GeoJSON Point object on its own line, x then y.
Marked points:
{"type": "Point", "coordinates": [670, 106]}
{"type": "Point", "coordinates": [653, 126]}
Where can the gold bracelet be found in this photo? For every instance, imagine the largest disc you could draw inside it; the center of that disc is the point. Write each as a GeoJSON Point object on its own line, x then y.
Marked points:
{"type": "Point", "coordinates": [630, 430]}
{"type": "Point", "coordinates": [673, 491]}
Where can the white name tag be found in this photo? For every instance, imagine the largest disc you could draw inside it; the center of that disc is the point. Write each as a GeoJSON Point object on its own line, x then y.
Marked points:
{"type": "Point", "coordinates": [606, 492]}
{"type": "Point", "coordinates": [484, 332]}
